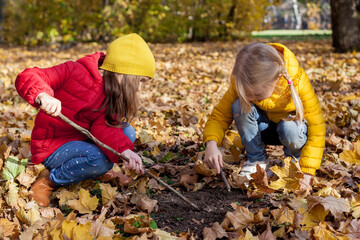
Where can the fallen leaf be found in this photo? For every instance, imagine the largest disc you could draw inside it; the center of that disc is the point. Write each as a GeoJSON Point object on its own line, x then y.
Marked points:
{"type": "Point", "coordinates": [312, 219]}
{"type": "Point", "coordinates": [337, 206]}
{"type": "Point", "coordinates": [354, 229]}
{"type": "Point", "coordinates": [350, 156]}
{"type": "Point", "coordinates": [108, 193]}
{"type": "Point", "coordinates": [322, 233]}
{"type": "Point", "coordinates": [85, 204]}
{"type": "Point", "coordinates": [289, 176]}
{"type": "Point", "coordinates": [8, 229]}
{"type": "Point", "coordinates": [64, 195]}
{"type": "Point", "coordinates": [29, 213]}
{"type": "Point", "coordinates": [216, 231]}
{"type": "Point", "coordinates": [68, 228]}
{"type": "Point", "coordinates": [260, 180]}
{"type": "Point", "coordinates": [241, 217]}
{"type": "Point", "coordinates": [162, 235]}
{"type": "Point", "coordinates": [26, 179]}
{"type": "Point", "coordinates": [328, 191]}
{"type": "Point", "coordinates": [147, 204]}
{"type": "Point", "coordinates": [12, 195]}
{"type": "Point", "coordinates": [203, 169]}
{"type": "Point", "coordinates": [267, 235]}
{"type": "Point", "coordinates": [283, 215]}
{"type": "Point", "coordinates": [13, 167]}
{"type": "Point", "coordinates": [82, 231]}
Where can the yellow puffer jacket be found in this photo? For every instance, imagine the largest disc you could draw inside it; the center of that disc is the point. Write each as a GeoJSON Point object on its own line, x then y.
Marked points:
{"type": "Point", "coordinates": [278, 106]}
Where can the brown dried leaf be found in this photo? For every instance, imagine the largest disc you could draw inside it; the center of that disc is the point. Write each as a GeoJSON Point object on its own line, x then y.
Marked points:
{"type": "Point", "coordinates": [216, 231]}
{"type": "Point", "coordinates": [267, 235]}
{"type": "Point", "coordinates": [336, 206]}
{"type": "Point", "coordinates": [261, 181]}
{"type": "Point", "coordinates": [241, 217]}
{"type": "Point", "coordinates": [26, 179]}
{"type": "Point", "coordinates": [283, 215]}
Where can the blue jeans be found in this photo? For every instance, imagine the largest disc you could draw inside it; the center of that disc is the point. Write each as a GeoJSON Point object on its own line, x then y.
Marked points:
{"type": "Point", "coordinates": [76, 161]}
{"type": "Point", "coordinates": [256, 129]}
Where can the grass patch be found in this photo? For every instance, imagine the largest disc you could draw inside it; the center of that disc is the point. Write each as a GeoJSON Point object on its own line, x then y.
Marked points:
{"type": "Point", "coordinates": [292, 34]}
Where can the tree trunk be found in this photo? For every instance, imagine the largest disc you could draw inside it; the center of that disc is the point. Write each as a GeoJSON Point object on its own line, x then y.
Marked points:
{"type": "Point", "coordinates": [345, 25]}
{"type": "Point", "coordinates": [2, 9]}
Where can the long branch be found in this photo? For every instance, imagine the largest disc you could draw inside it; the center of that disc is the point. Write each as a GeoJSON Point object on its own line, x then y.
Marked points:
{"type": "Point", "coordinates": [122, 157]}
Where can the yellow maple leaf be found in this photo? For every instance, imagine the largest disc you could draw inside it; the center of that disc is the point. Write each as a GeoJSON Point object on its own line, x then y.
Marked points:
{"type": "Point", "coordinates": [82, 231]}
{"type": "Point", "coordinates": [29, 216]}
{"type": "Point", "coordinates": [312, 219]}
{"type": "Point", "coordinates": [322, 232]}
{"type": "Point", "coordinates": [68, 227]}
{"type": "Point", "coordinates": [65, 195]}
{"type": "Point", "coordinates": [156, 151]}
{"type": "Point", "coordinates": [289, 176]}
{"type": "Point", "coordinates": [248, 236]}
{"type": "Point", "coordinates": [328, 191]}
{"type": "Point", "coordinates": [56, 234]}
{"type": "Point", "coordinates": [283, 215]}
{"type": "Point", "coordinates": [108, 193]}
{"type": "Point", "coordinates": [350, 156]}
{"type": "Point", "coordinates": [144, 136]}
{"type": "Point", "coordinates": [85, 204]}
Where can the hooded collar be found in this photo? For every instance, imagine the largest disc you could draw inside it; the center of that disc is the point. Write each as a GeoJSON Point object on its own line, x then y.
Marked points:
{"type": "Point", "coordinates": [291, 63]}
{"type": "Point", "coordinates": [92, 62]}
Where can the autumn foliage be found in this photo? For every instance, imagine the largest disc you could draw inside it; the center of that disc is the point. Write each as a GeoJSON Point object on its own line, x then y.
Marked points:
{"type": "Point", "coordinates": [190, 80]}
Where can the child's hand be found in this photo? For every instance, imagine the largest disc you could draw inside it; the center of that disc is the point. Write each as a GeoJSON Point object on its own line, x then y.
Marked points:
{"type": "Point", "coordinates": [134, 163]}
{"type": "Point", "coordinates": [49, 104]}
{"type": "Point", "coordinates": [213, 157]}
{"type": "Point", "coordinates": [305, 183]}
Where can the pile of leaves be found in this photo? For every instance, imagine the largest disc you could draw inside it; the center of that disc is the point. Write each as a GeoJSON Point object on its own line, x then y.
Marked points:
{"type": "Point", "coordinates": [190, 80]}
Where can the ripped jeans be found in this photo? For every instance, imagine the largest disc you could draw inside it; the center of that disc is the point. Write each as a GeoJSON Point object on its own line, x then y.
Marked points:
{"type": "Point", "coordinates": [76, 161]}
{"type": "Point", "coordinates": [256, 129]}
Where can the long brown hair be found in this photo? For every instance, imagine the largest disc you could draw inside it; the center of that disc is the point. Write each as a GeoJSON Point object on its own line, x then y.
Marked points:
{"type": "Point", "coordinates": [258, 65]}
{"type": "Point", "coordinates": [121, 98]}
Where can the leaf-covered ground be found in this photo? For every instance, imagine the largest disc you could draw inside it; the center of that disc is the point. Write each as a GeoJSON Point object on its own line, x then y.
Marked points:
{"type": "Point", "coordinates": [190, 80]}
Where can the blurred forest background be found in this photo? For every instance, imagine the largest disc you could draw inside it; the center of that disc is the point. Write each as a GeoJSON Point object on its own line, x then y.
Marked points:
{"type": "Point", "coordinates": [64, 21]}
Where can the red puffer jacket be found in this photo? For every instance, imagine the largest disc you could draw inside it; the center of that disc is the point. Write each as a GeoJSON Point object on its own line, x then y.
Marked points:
{"type": "Point", "coordinates": [79, 87]}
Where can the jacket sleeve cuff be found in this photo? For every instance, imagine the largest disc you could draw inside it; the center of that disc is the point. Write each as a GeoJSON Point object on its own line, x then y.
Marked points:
{"type": "Point", "coordinates": [311, 171]}
{"type": "Point", "coordinates": [212, 138]}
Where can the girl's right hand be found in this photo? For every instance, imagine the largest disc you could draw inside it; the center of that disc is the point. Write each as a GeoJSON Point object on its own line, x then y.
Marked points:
{"type": "Point", "coordinates": [213, 157]}
{"type": "Point", "coordinates": [49, 104]}
{"type": "Point", "coordinates": [134, 163]}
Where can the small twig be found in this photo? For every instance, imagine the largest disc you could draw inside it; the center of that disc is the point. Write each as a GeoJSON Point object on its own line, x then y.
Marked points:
{"type": "Point", "coordinates": [225, 180]}
{"type": "Point", "coordinates": [122, 157]}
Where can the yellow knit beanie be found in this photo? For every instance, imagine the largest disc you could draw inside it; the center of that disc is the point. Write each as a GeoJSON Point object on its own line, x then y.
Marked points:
{"type": "Point", "coordinates": [131, 55]}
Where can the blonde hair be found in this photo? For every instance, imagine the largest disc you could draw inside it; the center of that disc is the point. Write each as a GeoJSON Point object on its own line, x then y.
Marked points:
{"type": "Point", "coordinates": [258, 65]}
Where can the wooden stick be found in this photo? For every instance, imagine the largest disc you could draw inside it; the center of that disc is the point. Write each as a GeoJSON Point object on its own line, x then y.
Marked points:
{"type": "Point", "coordinates": [225, 180]}
{"type": "Point", "coordinates": [122, 157]}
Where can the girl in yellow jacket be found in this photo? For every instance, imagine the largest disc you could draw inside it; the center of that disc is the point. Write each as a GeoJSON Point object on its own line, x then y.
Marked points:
{"type": "Point", "coordinates": [272, 102]}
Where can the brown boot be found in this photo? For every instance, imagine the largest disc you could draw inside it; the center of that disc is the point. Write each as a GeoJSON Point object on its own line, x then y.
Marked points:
{"type": "Point", "coordinates": [41, 191]}
{"type": "Point", "coordinates": [110, 175]}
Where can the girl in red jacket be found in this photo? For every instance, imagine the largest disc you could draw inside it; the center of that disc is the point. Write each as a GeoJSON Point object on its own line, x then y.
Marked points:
{"type": "Point", "coordinates": [97, 92]}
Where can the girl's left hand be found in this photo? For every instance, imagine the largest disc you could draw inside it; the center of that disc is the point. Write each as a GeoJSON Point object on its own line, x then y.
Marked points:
{"type": "Point", "coordinates": [305, 183]}
{"type": "Point", "coordinates": [134, 163]}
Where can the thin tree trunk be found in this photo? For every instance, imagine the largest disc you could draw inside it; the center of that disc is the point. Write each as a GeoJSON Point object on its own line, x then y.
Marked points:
{"type": "Point", "coordinates": [298, 15]}
{"type": "Point", "coordinates": [345, 25]}
{"type": "Point", "coordinates": [2, 9]}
